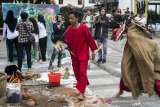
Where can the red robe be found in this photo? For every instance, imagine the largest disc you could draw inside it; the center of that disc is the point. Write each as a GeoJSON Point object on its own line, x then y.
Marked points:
{"type": "Point", "coordinates": [79, 41]}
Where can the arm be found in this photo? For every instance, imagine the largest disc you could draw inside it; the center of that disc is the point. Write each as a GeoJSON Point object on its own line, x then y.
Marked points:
{"type": "Point", "coordinates": [60, 24]}
{"type": "Point", "coordinates": [32, 28]}
{"type": "Point", "coordinates": [90, 39]}
{"type": "Point", "coordinates": [91, 43]}
{"type": "Point", "coordinates": [97, 21]}
{"type": "Point", "coordinates": [17, 26]}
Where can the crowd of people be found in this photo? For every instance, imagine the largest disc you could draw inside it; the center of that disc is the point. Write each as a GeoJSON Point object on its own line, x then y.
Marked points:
{"type": "Point", "coordinates": [16, 36]}
{"type": "Point", "coordinates": [79, 37]}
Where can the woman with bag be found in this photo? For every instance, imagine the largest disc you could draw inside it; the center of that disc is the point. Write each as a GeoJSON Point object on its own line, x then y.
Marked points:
{"type": "Point", "coordinates": [42, 36]}
{"type": "Point", "coordinates": [36, 35]}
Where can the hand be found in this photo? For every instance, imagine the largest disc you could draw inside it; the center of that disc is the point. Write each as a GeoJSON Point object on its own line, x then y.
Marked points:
{"type": "Point", "coordinates": [53, 18]}
{"type": "Point", "coordinates": [62, 22]}
{"type": "Point", "coordinates": [91, 21]}
{"type": "Point", "coordinates": [93, 55]}
{"type": "Point", "coordinates": [102, 21]}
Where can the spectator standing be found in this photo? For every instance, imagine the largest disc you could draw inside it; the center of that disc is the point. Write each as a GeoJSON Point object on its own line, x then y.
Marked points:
{"type": "Point", "coordinates": [36, 35]}
{"type": "Point", "coordinates": [42, 36]}
{"type": "Point", "coordinates": [59, 30]}
{"type": "Point", "coordinates": [88, 19]}
{"type": "Point", "coordinates": [101, 34]}
{"type": "Point", "coordinates": [127, 13]}
{"type": "Point", "coordinates": [23, 39]}
{"type": "Point", "coordinates": [118, 17]}
{"type": "Point", "coordinates": [10, 34]}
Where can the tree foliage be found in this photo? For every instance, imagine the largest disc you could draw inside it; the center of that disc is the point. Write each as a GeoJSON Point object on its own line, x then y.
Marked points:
{"type": "Point", "coordinates": [153, 17]}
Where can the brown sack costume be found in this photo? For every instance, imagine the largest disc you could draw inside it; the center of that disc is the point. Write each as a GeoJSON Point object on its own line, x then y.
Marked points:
{"type": "Point", "coordinates": [141, 61]}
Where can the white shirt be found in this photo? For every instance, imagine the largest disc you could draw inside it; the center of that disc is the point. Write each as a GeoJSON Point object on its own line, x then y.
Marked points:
{"type": "Point", "coordinates": [88, 19]}
{"type": "Point", "coordinates": [10, 35]}
{"type": "Point", "coordinates": [141, 20]}
{"type": "Point", "coordinates": [42, 30]}
{"type": "Point", "coordinates": [36, 37]}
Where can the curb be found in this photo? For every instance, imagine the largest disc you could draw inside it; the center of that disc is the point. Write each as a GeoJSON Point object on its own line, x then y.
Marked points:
{"type": "Point", "coordinates": [110, 70]}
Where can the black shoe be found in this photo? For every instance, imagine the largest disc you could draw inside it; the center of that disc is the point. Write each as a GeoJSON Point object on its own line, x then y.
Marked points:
{"type": "Point", "coordinates": [99, 60]}
{"type": "Point", "coordinates": [59, 65]}
{"type": "Point", "coordinates": [103, 61]}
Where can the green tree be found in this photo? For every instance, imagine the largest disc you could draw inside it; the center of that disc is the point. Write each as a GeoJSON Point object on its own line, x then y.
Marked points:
{"type": "Point", "coordinates": [153, 17]}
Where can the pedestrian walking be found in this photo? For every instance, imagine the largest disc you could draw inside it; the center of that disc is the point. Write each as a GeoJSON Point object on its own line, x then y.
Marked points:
{"type": "Point", "coordinates": [79, 40]}
{"type": "Point", "coordinates": [140, 62]}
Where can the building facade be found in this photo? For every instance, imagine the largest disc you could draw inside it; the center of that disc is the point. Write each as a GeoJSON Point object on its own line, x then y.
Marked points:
{"type": "Point", "coordinates": [78, 3]}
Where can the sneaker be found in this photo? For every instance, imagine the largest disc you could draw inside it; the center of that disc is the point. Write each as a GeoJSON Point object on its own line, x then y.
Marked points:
{"type": "Point", "coordinates": [103, 61]}
{"type": "Point", "coordinates": [50, 67]}
{"type": "Point", "coordinates": [40, 61]}
{"type": "Point", "coordinates": [99, 60]}
{"type": "Point", "coordinates": [35, 61]}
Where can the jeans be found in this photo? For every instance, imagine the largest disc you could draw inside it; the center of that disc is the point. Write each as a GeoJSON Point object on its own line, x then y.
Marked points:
{"type": "Point", "coordinates": [103, 52]}
{"type": "Point", "coordinates": [54, 55]}
{"type": "Point", "coordinates": [21, 47]}
{"type": "Point", "coordinates": [43, 47]}
{"type": "Point", "coordinates": [36, 50]}
{"type": "Point", "coordinates": [10, 44]}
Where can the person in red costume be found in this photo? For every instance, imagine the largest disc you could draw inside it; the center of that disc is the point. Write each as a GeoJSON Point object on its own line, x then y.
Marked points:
{"type": "Point", "coordinates": [79, 40]}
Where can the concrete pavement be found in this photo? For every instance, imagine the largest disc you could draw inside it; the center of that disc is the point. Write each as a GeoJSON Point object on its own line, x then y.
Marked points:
{"type": "Point", "coordinates": [104, 79]}
{"type": "Point", "coordinates": [113, 67]}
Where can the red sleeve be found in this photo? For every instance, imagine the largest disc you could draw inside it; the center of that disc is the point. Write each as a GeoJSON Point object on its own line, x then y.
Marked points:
{"type": "Point", "coordinates": [90, 40]}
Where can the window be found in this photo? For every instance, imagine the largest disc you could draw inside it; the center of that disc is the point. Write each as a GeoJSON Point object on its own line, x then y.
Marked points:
{"type": "Point", "coordinates": [60, 1]}
{"type": "Point", "coordinates": [92, 1]}
{"type": "Point", "coordinates": [79, 2]}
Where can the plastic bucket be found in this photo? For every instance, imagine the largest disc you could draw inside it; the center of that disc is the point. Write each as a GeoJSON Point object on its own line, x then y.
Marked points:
{"type": "Point", "coordinates": [3, 82]}
{"type": "Point", "coordinates": [14, 92]}
{"type": "Point", "coordinates": [54, 79]}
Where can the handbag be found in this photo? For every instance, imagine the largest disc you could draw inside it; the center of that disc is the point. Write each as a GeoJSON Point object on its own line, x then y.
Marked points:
{"type": "Point", "coordinates": [117, 33]}
{"type": "Point", "coordinates": [31, 38]}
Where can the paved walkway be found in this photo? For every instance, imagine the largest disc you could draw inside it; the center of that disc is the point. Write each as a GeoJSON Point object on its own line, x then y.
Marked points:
{"type": "Point", "coordinates": [114, 56]}
{"type": "Point", "coordinates": [110, 85]}
{"type": "Point", "coordinates": [105, 82]}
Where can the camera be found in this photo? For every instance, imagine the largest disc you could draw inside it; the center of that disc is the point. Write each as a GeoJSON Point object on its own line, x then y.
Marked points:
{"type": "Point", "coordinates": [102, 18]}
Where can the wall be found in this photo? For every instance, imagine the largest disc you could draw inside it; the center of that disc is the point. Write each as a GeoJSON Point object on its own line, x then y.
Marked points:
{"type": "Point", "coordinates": [123, 4]}
{"type": "Point", "coordinates": [66, 2]}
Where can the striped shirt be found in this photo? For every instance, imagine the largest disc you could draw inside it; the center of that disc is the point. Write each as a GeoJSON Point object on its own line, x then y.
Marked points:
{"type": "Point", "coordinates": [23, 35]}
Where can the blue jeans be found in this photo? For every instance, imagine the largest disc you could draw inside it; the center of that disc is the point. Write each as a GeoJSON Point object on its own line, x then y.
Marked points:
{"type": "Point", "coordinates": [103, 52]}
